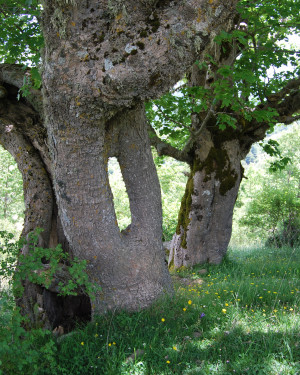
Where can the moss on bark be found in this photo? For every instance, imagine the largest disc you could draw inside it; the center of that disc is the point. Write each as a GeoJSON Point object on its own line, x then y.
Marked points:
{"type": "Point", "coordinates": [186, 203]}
{"type": "Point", "coordinates": [218, 162]}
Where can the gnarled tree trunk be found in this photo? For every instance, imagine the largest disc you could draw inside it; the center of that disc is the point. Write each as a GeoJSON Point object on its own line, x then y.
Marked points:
{"type": "Point", "coordinates": [23, 135]}
{"type": "Point", "coordinates": [100, 64]}
{"type": "Point", "coordinates": [101, 60]}
{"type": "Point", "coordinates": [128, 266]}
{"type": "Point", "coordinates": [205, 218]}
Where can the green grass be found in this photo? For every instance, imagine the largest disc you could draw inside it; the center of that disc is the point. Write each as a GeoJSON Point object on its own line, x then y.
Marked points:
{"type": "Point", "coordinates": [243, 318]}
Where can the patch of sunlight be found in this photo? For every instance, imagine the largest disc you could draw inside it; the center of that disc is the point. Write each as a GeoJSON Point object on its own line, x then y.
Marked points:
{"type": "Point", "coordinates": [129, 367]}
{"type": "Point", "coordinates": [281, 366]}
{"type": "Point", "coordinates": [203, 344]}
{"type": "Point", "coordinates": [214, 368]}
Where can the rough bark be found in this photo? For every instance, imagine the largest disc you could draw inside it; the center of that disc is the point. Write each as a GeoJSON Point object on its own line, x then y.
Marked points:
{"type": "Point", "coordinates": [24, 137]}
{"type": "Point", "coordinates": [128, 266]}
{"type": "Point", "coordinates": [101, 60]}
{"type": "Point", "coordinates": [100, 63]}
{"type": "Point", "coordinates": [113, 54]}
{"type": "Point", "coordinates": [205, 218]}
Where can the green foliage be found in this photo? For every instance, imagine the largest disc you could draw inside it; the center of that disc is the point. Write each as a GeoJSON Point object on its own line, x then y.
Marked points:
{"type": "Point", "coordinates": [21, 350]}
{"type": "Point", "coordinates": [171, 116]}
{"type": "Point", "coordinates": [240, 317]}
{"type": "Point", "coordinates": [274, 210]}
{"type": "Point", "coordinates": [32, 80]}
{"type": "Point", "coordinates": [11, 193]}
{"type": "Point", "coordinates": [265, 60]}
{"type": "Point", "coordinates": [20, 35]}
{"type": "Point", "coordinates": [287, 235]}
{"type": "Point", "coordinates": [15, 341]}
{"type": "Point", "coordinates": [40, 265]}
{"type": "Point", "coordinates": [272, 148]}
{"type": "Point", "coordinates": [225, 120]}
{"type": "Point", "coordinates": [268, 205]}
{"type": "Point", "coordinates": [21, 39]}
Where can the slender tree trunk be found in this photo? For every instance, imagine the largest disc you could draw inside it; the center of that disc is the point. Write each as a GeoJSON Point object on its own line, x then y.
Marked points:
{"type": "Point", "coordinates": [205, 217]}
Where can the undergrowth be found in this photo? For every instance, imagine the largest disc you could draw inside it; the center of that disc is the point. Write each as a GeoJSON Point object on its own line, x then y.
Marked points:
{"type": "Point", "coordinates": [241, 317]}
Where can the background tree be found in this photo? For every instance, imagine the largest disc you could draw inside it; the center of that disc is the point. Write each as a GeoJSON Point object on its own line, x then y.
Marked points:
{"type": "Point", "coordinates": [101, 60]}
{"type": "Point", "coordinates": [268, 203]}
{"type": "Point", "coordinates": [249, 82]}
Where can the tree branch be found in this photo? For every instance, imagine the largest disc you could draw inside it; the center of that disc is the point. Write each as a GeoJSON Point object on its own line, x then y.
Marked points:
{"type": "Point", "coordinates": [287, 101]}
{"type": "Point", "coordinates": [164, 148]}
{"type": "Point", "coordinates": [20, 115]}
{"type": "Point", "coordinates": [291, 119]}
{"type": "Point", "coordinates": [13, 76]}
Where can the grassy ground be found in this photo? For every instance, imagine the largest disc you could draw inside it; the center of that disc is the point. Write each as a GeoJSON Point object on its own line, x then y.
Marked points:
{"type": "Point", "coordinates": [238, 318]}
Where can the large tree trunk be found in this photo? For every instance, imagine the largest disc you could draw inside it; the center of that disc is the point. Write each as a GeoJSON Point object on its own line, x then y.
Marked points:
{"type": "Point", "coordinates": [100, 64]}
{"type": "Point", "coordinates": [101, 60]}
{"type": "Point", "coordinates": [128, 266]}
{"type": "Point", "coordinates": [205, 218]}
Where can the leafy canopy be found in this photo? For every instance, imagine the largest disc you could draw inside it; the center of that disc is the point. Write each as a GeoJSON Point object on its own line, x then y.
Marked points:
{"type": "Point", "coordinates": [20, 35]}
{"type": "Point", "coordinates": [265, 60]}
{"type": "Point", "coordinates": [268, 203]}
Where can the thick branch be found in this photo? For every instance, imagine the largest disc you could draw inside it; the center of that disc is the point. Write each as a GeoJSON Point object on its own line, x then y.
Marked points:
{"type": "Point", "coordinates": [164, 148]}
{"type": "Point", "coordinates": [287, 101]}
{"type": "Point", "coordinates": [290, 119]}
{"type": "Point", "coordinates": [12, 77]}
{"type": "Point", "coordinates": [23, 117]}
{"type": "Point", "coordinates": [38, 194]}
